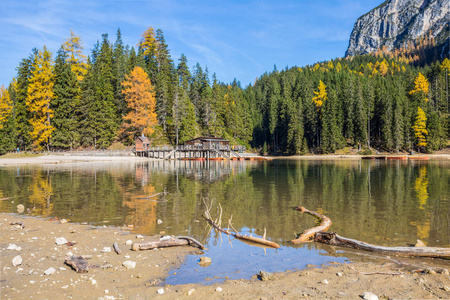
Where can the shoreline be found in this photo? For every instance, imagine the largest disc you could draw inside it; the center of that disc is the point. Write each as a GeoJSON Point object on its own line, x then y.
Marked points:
{"type": "Point", "coordinates": [59, 159]}
{"type": "Point", "coordinates": [109, 279]}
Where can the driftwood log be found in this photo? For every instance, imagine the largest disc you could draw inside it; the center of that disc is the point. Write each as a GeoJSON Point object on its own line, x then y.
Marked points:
{"type": "Point", "coordinates": [334, 239]}
{"type": "Point", "coordinates": [167, 242]}
{"type": "Point", "coordinates": [78, 263]}
{"type": "Point", "coordinates": [308, 234]}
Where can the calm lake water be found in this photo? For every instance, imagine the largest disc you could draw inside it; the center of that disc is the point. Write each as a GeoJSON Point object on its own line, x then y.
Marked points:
{"type": "Point", "coordinates": [390, 203]}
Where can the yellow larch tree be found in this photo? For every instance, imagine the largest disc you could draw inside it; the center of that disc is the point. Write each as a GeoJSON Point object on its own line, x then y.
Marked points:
{"type": "Point", "coordinates": [39, 94]}
{"type": "Point", "coordinates": [420, 128]}
{"type": "Point", "coordinates": [321, 95]}
{"type": "Point", "coordinates": [140, 98]}
{"type": "Point", "coordinates": [75, 57]}
{"type": "Point", "coordinates": [5, 106]}
{"type": "Point", "coordinates": [421, 87]}
{"type": "Point", "coordinates": [148, 42]}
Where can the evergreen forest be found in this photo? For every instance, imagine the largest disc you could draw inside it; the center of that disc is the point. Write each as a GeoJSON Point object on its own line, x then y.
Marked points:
{"type": "Point", "coordinates": [389, 101]}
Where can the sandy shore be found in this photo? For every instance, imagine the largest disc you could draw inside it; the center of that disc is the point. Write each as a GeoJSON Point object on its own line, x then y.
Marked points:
{"type": "Point", "coordinates": [56, 159]}
{"type": "Point", "coordinates": [108, 278]}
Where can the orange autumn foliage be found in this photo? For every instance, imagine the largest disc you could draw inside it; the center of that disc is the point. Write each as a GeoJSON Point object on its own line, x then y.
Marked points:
{"type": "Point", "coordinates": [140, 98]}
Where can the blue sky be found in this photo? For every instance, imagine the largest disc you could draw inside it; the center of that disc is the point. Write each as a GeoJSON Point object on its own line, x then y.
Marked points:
{"type": "Point", "coordinates": [235, 39]}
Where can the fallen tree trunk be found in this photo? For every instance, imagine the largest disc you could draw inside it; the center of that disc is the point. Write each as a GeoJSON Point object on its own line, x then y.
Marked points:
{"type": "Point", "coordinates": [331, 238]}
{"type": "Point", "coordinates": [308, 234]}
{"type": "Point", "coordinates": [249, 238]}
{"type": "Point", "coordinates": [167, 242]}
{"type": "Point", "coordinates": [319, 235]}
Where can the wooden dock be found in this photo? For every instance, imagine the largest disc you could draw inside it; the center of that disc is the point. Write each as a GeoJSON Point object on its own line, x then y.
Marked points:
{"type": "Point", "coordinates": [189, 152]}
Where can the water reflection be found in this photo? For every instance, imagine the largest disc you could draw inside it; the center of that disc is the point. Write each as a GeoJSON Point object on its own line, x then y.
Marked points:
{"type": "Point", "coordinates": [387, 203]}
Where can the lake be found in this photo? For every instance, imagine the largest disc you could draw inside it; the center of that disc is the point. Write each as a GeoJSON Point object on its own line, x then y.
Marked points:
{"type": "Point", "coordinates": [391, 203]}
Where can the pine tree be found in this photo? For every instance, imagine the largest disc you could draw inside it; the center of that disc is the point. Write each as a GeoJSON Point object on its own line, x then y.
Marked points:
{"type": "Point", "coordinates": [98, 124]}
{"type": "Point", "coordinates": [40, 93]}
{"type": "Point", "coordinates": [119, 71]}
{"type": "Point", "coordinates": [22, 115]}
{"type": "Point", "coordinates": [65, 103]}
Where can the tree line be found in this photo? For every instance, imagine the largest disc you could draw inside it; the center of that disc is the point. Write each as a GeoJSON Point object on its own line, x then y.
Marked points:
{"type": "Point", "coordinates": [118, 93]}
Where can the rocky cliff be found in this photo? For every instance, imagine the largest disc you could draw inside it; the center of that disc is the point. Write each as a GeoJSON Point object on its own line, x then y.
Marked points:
{"type": "Point", "coordinates": [396, 22]}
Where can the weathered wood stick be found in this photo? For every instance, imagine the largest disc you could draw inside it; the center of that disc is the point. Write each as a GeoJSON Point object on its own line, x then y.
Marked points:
{"type": "Point", "coordinates": [334, 239]}
{"type": "Point", "coordinates": [192, 241]}
{"type": "Point", "coordinates": [243, 237]}
{"type": "Point", "coordinates": [308, 234]}
{"type": "Point", "coordinates": [18, 223]}
{"type": "Point", "coordinates": [171, 242]}
{"type": "Point", "coordinates": [78, 263]}
{"type": "Point", "coordinates": [116, 248]}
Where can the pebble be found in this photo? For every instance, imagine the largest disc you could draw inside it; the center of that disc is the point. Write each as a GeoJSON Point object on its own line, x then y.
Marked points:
{"type": "Point", "coordinates": [12, 247]}
{"type": "Point", "coordinates": [160, 291]}
{"type": "Point", "coordinates": [218, 289]}
{"type": "Point", "coordinates": [190, 292]}
{"type": "Point", "coordinates": [129, 242]}
{"type": "Point", "coordinates": [61, 241]}
{"type": "Point", "coordinates": [17, 261]}
{"type": "Point", "coordinates": [50, 271]}
{"type": "Point", "coordinates": [264, 276]}
{"type": "Point", "coordinates": [205, 261]}
{"type": "Point", "coordinates": [62, 269]}
{"type": "Point", "coordinates": [129, 264]}
{"type": "Point", "coordinates": [106, 291]}
{"type": "Point", "coordinates": [431, 271]}
{"type": "Point", "coordinates": [445, 272]}
{"type": "Point", "coordinates": [369, 296]}
{"type": "Point", "coordinates": [159, 222]}
{"type": "Point", "coordinates": [339, 274]}
{"type": "Point", "coordinates": [139, 236]}
{"type": "Point", "coordinates": [446, 288]}
{"type": "Point", "coordinates": [65, 287]}
{"type": "Point", "coordinates": [325, 281]}
{"type": "Point", "coordinates": [106, 249]}
{"type": "Point", "coordinates": [32, 281]}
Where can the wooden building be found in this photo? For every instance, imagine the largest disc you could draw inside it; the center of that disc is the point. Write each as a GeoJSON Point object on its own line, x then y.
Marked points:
{"type": "Point", "coordinates": [142, 143]}
{"type": "Point", "coordinates": [208, 142]}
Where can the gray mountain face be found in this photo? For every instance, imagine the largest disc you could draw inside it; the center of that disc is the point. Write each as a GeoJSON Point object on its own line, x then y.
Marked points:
{"type": "Point", "coordinates": [396, 22]}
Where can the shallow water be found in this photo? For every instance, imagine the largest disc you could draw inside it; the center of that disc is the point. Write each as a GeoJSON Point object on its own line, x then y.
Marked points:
{"type": "Point", "coordinates": [390, 203]}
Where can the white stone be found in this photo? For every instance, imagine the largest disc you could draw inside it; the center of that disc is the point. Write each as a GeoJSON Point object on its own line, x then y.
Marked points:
{"type": "Point", "coordinates": [339, 274]}
{"type": "Point", "coordinates": [94, 282]}
{"type": "Point", "coordinates": [219, 289]}
{"type": "Point", "coordinates": [106, 291]}
{"type": "Point", "coordinates": [129, 264]}
{"type": "Point", "coordinates": [139, 236]}
{"type": "Point", "coordinates": [190, 292]}
{"type": "Point", "coordinates": [50, 271]}
{"type": "Point", "coordinates": [65, 287]}
{"type": "Point", "coordinates": [12, 247]}
{"type": "Point", "coordinates": [61, 241]}
{"type": "Point", "coordinates": [160, 291]}
{"type": "Point", "coordinates": [62, 269]}
{"type": "Point", "coordinates": [70, 254]}
{"type": "Point", "coordinates": [32, 281]}
{"type": "Point", "coordinates": [129, 242]}
{"type": "Point", "coordinates": [106, 249]}
{"type": "Point", "coordinates": [369, 296]}
{"type": "Point", "coordinates": [17, 261]}
{"type": "Point", "coordinates": [159, 222]}
{"type": "Point", "coordinates": [325, 281]}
